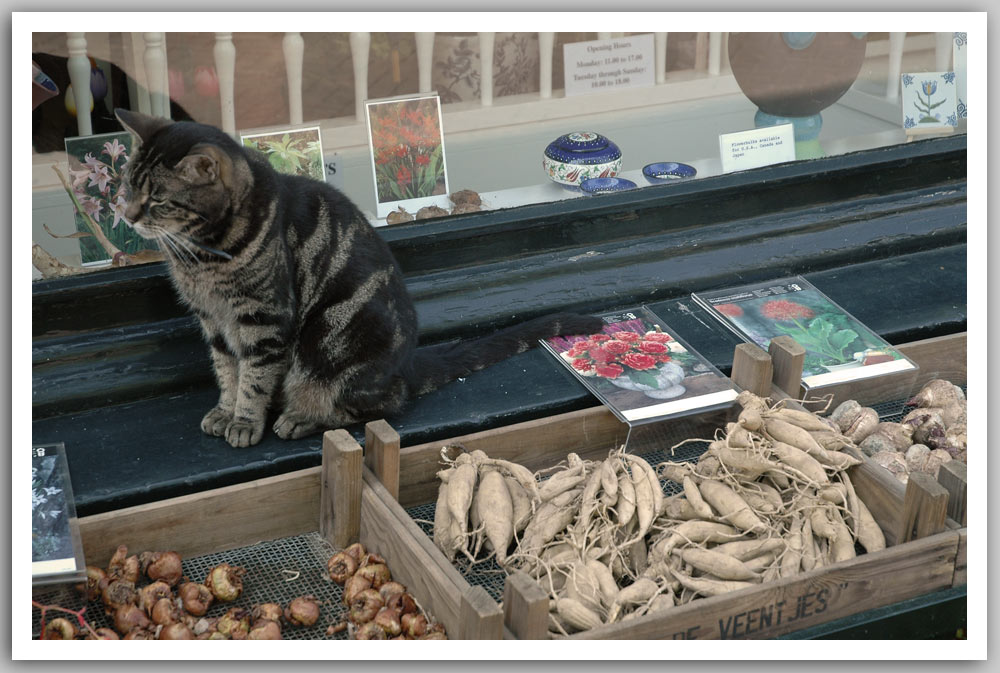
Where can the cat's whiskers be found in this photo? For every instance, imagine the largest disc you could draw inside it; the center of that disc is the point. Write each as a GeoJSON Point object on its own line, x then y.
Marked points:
{"type": "Point", "coordinates": [183, 253]}
{"type": "Point", "coordinates": [177, 251]}
{"type": "Point", "coordinates": [185, 244]}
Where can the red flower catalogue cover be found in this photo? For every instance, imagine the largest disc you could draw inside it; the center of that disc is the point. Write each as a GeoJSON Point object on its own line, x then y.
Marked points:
{"type": "Point", "coordinates": [641, 370]}
{"type": "Point", "coordinates": [838, 347]}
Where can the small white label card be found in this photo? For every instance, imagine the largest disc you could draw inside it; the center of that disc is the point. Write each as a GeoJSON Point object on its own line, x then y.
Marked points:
{"type": "Point", "coordinates": [928, 102]}
{"type": "Point", "coordinates": [758, 147]}
{"type": "Point", "coordinates": [605, 65]}
{"type": "Point", "coordinates": [960, 55]}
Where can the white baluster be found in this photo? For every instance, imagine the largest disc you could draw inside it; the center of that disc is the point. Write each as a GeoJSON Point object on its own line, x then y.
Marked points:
{"type": "Point", "coordinates": [942, 51]}
{"type": "Point", "coordinates": [425, 60]}
{"type": "Point", "coordinates": [78, 66]}
{"type": "Point", "coordinates": [225, 70]}
{"type": "Point", "coordinates": [166, 80]}
{"type": "Point", "coordinates": [895, 66]}
{"type": "Point", "coordinates": [546, 46]}
{"type": "Point", "coordinates": [660, 44]}
{"type": "Point", "coordinates": [137, 91]}
{"type": "Point", "coordinates": [294, 47]}
{"type": "Point", "coordinates": [153, 61]}
{"type": "Point", "coordinates": [486, 43]}
{"type": "Point", "coordinates": [714, 53]}
{"type": "Point", "coordinates": [360, 43]}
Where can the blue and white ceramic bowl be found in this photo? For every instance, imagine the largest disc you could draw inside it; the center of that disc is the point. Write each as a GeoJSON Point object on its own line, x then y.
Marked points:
{"type": "Point", "coordinates": [665, 171]}
{"type": "Point", "coordinates": [575, 157]}
{"type": "Point", "coordinates": [605, 185]}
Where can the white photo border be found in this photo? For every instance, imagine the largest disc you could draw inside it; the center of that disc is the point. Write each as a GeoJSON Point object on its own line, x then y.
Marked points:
{"type": "Point", "coordinates": [383, 208]}
{"type": "Point", "coordinates": [250, 135]}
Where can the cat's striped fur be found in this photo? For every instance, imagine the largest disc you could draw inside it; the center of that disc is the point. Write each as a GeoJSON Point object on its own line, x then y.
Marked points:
{"type": "Point", "coordinates": [300, 299]}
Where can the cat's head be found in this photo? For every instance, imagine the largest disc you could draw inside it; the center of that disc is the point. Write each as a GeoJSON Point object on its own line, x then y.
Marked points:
{"type": "Point", "coordinates": [183, 179]}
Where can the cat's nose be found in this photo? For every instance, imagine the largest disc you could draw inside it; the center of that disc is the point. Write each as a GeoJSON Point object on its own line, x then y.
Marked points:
{"type": "Point", "coordinates": [133, 212]}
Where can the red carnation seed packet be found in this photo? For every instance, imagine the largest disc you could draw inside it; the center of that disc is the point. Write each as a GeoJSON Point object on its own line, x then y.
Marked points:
{"type": "Point", "coordinates": [641, 370]}
{"type": "Point", "coordinates": [839, 348]}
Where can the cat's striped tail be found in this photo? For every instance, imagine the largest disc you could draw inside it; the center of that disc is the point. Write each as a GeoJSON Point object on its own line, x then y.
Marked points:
{"type": "Point", "coordinates": [436, 365]}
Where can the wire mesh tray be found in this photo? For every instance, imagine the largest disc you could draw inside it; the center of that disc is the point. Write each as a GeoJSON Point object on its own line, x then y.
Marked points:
{"type": "Point", "coordinates": [277, 571]}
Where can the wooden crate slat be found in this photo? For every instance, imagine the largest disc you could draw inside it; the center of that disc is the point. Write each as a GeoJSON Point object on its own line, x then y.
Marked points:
{"type": "Point", "coordinates": [941, 357]}
{"type": "Point", "coordinates": [961, 561]}
{"type": "Point", "coordinates": [340, 497]}
{"type": "Point", "coordinates": [925, 508]}
{"type": "Point", "coordinates": [531, 443]}
{"type": "Point", "coordinates": [382, 454]}
{"type": "Point", "coordinates": [864, 583]}
{"type": "Point", "coordinates": [526, 607]}
{"type": "Point", "coordinates": [481, 618]}
{"type": "Point", "coordinates": [881, 492]}
{"type": "Point", "coordinates": [210, 521]}
{"type": "Point", "coordinates": [953, 476]}
{"type": "Point", "coordinates": [752, 369]}
{"type": "Point", "coordinates": [787, 357]}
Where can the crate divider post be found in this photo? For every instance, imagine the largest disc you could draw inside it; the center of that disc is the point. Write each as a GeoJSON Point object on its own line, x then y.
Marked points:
{"type": "Point", "coordinates": [787, 358]}
{"type": "Point", "coordinates": [925, 507]}
{"type": "Point", "coordinates": [526, 607]}
{"type": "Point", "coordinates": [752, 369]}
{"type": "Point", "coordinates": [953, 475]}
{"type": "Point", "coordinates": [340, 489]}
{"type": "Point", "coordinates": [382, 454]}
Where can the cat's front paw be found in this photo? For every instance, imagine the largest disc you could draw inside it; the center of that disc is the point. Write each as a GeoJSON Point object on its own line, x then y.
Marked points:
{"type": "Point", "coordinates": [216, 421]}
{"type": "Point", "coordinates": [241, 433]}
{"type": "Point", "coordinates": [292, 426]}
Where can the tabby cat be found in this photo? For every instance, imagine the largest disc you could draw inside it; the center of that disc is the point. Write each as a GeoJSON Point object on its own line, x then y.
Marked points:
{"type": "Point", "coordinates": [300, 299]}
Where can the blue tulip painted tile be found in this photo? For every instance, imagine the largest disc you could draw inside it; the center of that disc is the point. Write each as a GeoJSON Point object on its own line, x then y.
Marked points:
{"type": "Point", "coordinates": [928, 100]}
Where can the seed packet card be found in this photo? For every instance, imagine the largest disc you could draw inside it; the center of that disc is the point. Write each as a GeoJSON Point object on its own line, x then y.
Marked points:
{"type": "Point", "coordinates": [839, 348]}
{"type": "Point", "coordinates": [56, 550]}
{"type": "Point", "coordinates": [642, 370]}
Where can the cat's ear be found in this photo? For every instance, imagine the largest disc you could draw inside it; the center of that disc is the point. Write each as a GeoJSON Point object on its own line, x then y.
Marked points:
{"type": "Point", "coordinates": [206, 164]}
{"type": "Point", "coordinates": [141, 126]}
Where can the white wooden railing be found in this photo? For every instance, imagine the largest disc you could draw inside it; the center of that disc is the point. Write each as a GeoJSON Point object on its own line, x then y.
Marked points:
{"type": "Point", "coordinates": [150, 93]}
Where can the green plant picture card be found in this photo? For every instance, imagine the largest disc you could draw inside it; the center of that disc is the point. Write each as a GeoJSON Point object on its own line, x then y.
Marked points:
{"type": "Point", "coordinates": [297, 151]}
{"type": "Point", "coordinates": [838, 346]}
{"type": "Point", "coordinates": [406, 140]}
{"type": "Point", "coordinates": [928, 101]}
{"type": "Point", "coordinates": [96, 164]}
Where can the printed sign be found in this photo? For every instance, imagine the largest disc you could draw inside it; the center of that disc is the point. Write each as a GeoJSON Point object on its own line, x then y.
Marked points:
{"type": "Point", "coordinates": [606, 65]}
{"type": "Point", "coordinates": [758, 147]}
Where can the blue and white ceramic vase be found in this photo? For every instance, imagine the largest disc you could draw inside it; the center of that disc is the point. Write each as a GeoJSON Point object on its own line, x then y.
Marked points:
{"type": "Point", "coordinates": [579, 156]}
{"type": "Point", "coordinates": [792, 77]}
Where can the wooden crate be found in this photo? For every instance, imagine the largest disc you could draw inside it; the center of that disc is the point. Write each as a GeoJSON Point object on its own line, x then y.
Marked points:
{"type": "Point", "coordinates": [341, 499]}
{"type": "Point", "coordinates": [923, 545]}
{"type": "Point", "coordinates": [347, 500]}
